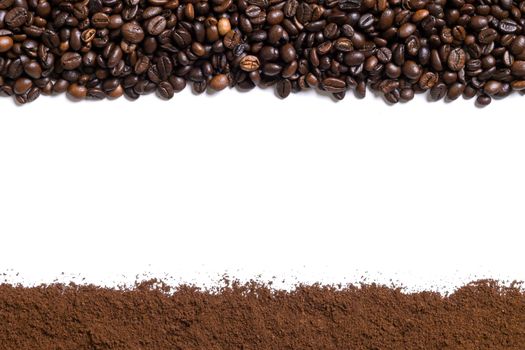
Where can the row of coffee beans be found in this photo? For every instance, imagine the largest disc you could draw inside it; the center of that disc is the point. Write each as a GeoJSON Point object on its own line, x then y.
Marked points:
{"type": "Point", "coordinates": [96, 49]}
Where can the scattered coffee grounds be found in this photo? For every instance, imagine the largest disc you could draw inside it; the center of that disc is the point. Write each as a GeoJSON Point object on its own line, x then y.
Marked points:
{"type": "Point", "coordinates": [99, 49]}
{"type": "Point", "coordinates": [480, 315]}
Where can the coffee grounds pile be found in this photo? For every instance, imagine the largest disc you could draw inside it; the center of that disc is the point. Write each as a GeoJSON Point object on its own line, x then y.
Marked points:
{"type": "Point", "coordinates": [480, 315]}
{"type": "Point", "coordinates": [99, 49]}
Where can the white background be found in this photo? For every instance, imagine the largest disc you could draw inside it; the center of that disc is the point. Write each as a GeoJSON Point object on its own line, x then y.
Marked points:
{"type": "Point", "coordinates": [303, 190]}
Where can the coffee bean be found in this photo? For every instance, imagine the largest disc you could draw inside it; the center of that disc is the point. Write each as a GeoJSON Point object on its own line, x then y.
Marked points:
{"type": "Point", "coordinates": [438, 92]}
{"type": "Point", "coordinates": [333, 85]}
{"type": "Point", "coordinates": [100, 20]}
{"type": "Point", "coordinates": [6, 43]}
{"type": "Point", "coordinates": [406, 94]}
{"type": "Point", "coordinates": [455, 90]}
{"type": "Point", "coordinates": [5, 4]}
{"type": "Point", "coordinates": [219, 82]}
{"type": "Point", "coordinates": [487, 36]}
{"type": "Point", "coordinates": [156, 25]}
{"type": "Point", "coordinates": [479, 22]}
{"type": "Point", "coordinates": [95, 94]}
{"type": "Point", "coordinates": [71, 60]}
{"type": "Point", "coordinates": [283, 88]}
{"type": "Point", "coordinates": [406, 30]}
{"type": "Point", "coordinates": [492, 87]}
{"type": "Point", "coordinates": [272, 69]}
{"type": "Point", "coordinates": [428, 80]}
{"type": "Point", "coordinates": [164, 67]}
{"type": "Point", "coordinates": [483, 100]}
{"type": "Point", "coordinates": [77, 91]}
{"type": "Point", "coordinates": [456, 59]}
{"type": "Point", "coordinates": [354, 58]}
{"type": "Point", "coordinates": [16, 17]}
{"type": "Point", "coordinates": [107, 48]}
{"type": "Point", "coordinates": [411, 69]}
{"type": "Point", "coordinates": [518, 68]}
{"type": "Point", "coordinates": [132, 32]}
{"type": "Point", "coordinates": [165, 90]}
{"type": "Point", "coordinates": [33, 69]}
{"type": "Point", "coordinates": [142, 65]}
{"type": "Point", "coordinates": [384, 55]}
{"type": "Point", "coordinates": [288, 53]}
{"type": "Point", "coordinates": [22, 85]}
{"type": "Point", "coordinates": [274, 17]}
{"type": "Point", "coordinates": [249, 63]}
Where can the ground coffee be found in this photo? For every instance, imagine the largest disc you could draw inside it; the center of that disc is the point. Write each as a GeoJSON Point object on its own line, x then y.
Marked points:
{"type": "Point", "coordinates": [481, 315]}
{"type": "Point", "coordinates": [99, 49]}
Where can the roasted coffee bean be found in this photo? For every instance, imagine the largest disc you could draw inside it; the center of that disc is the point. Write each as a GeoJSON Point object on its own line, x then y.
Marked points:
{"type": "Point", "coordinates": [16, 17]}
{"type": "Point", "coordinates": [428, 80]}
{"type": "Point", "coordinates": [107, 48]}
{"type": "Point", "coordinates": [438, 92]}
{"type": "Point", "coordinates": [411, 69]}
{"type": "Point", "coordinates": [22, 85]}
{"type": "Point", "coordinates": [518, 68]}
{"type": "Point", "coordinates": [249, 63]}
{"type": "Point", "coordinates": [165, 90]}
{"type": "Point", "coordinates": [6, 43]}
{"type": "Point", "coordinates": [456, 59]}
{"type": "Point", "coordinates": [77, 91]}
{"type": "Point", "coordinates": [164, 67]}
{"type": "Point", "coordinates": [283, 88]}
{"type": "Point", "coordinates": [288, 53]}
{"type": "Point", "coordinates": [33, 69]}
{"type": "Point", "coordinates": [219, 82]}
{"type": "Point", "coordinates": [333, 85]}
{"type": "Point", "coordinates": [483, 100]}
{"type": "Point", "coordinates": [95, 94]}
{"type": "Point", "coordinates": [132, 32]}
{"type": "Point", "coordinates": [156, 25]}
{"type": "Point", "coordinates": [71, 60]}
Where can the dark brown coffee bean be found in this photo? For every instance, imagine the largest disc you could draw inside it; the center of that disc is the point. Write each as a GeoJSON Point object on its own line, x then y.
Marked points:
{"type": "Point", "coordinates": [5, 4]}
{"type": "Point", "coordinates": [164, 67]}
{"type": "Point", "coordinates": [288, 53]}
{"type": "Point", "coordinates": [22, 85]}
{"type": "Point", "coordinates": [100, 20]}
{"type": "Point", "coordinates": [165, 90]}
{"type": "Point", "coordinates": [95, 94]}
{"type": "Point", "coordinates": [219, 82]}
{"type": "Point", "coordinates": [487, 36]}
{"type": "Point", "coordinates": [333, 85]}
{"type": "Point", "coordinates": [6, 43]}
{"type": "Point", "coordinates": [33, 69]}
{"type": "Point", "coordinates": [272, 69]}
{"type": "Point", "coordinates": [478, 22]}
{"type": "Point", "coordinates": [518, 68]}
{"type": "Point", "coordinates": [406, 30]}
{"type": "Point", "coordinates": [428, 80]}
{"type": "Point", "coordinates": [132, 32]}
{"type": "Point", "coordinates": [142, 65]}
{"type": "Point", "coordinates": [354, 58]}
{"type": "Point", "coordinates": [483, 100]}
{"type": "Point", "coordinates": [283, 88]}
{"type": "Point", "coordinates": [411, 69]}
{"type": "Point", "coordinates": [438, 92]}
{"type": "Point", "coordinates": [455, 90]}
{"type": "Point", "coordinates": [456, 59]}
{"type": "Point", "coordinates": [16, 17]}
{"type": "Point", "coordinates": [156, 25]}
{"type": "Point", "coordinates": [71, 60]}
{"type": "Point", "coordinates": [77, 91]}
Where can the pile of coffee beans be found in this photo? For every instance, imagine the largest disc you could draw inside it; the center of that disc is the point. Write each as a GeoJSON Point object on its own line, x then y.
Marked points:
{"type": "Point", "coordinates": [96, 49]}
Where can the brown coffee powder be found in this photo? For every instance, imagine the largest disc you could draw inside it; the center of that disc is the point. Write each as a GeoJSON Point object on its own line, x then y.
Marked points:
{"type": "Point", "coordinates": [480, 315]}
